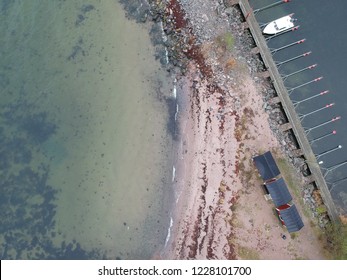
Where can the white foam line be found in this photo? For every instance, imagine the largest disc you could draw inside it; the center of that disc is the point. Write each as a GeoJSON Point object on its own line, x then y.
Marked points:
{"type": "Point", "coordinates": [174, 91]}
{"type": "Point", "coordinates": [163, 35]}
{"type": "Point", "coordinates": [166, 56]}
{"type": "Point", "coordinates": [178, 197]}
{"type": "Point", "coordinates": [168, 232]}
{"type": "Point", "coordinates": [173, 173]}
{"type": "Point", "coordinates": [176, 112]}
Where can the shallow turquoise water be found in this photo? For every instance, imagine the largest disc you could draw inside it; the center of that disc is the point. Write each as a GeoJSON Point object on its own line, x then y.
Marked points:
{"type": "Point", "coordinates": [85, 153]}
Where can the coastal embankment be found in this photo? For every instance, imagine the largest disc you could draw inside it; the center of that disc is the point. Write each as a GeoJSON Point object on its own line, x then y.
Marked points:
{"type": "Point", "coordinates": [220, 211]}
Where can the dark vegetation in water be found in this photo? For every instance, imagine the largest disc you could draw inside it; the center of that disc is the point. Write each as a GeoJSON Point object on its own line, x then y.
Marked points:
{"type": "Point", "coordinates": [159, 44]}
{"type": "Point", "coordinates": [83, 14]}
{"type": "Point", "coordinates": [4, 81]}
{"type": "Point", "coordinates": [4, 4]}
{"type": "Point", "coordinates": [27, 201]}
{"type": "Point", "coordinates": [37, 128]}
{"type": "Point", "coordinates": [138, 10]}
{"type": "Point", "coordinates": [77, 50]}
{"type": "Point", "coordinates": [30, 126]}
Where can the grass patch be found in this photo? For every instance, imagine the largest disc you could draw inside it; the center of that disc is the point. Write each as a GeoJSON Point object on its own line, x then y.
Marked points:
{"type": "Point", "coordinates": [337, 241]}
{"type": "Point", "coordinates": [293, 182]}
{"type": "Point", "coordinates": [321, 209]}
{"type": "Point", "coordinates": [226, 41]}
{"type": "Point", "coordinates": [246, 253]}
{"type": "Point", "coordinates": [237, 223]}
{"type": "Point", "coordinates": [293, 235]}
{"type": "Point", "coordinates": [289, 175]}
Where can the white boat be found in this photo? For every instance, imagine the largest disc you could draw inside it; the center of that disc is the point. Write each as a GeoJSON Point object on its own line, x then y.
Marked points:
{"type": "Point", "coordinates": [279, 25]}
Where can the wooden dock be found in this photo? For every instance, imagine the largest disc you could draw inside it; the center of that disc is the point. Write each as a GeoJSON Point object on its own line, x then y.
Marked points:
{"type": "Point", "coordinates": [284, 100]}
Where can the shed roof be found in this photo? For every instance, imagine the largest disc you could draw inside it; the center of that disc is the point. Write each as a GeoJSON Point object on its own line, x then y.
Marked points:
{"type": "Point", "coordinates": [291, 219]}
{"type": "Point", "coordinates": [266, 166]}
{"type": "Point", "coordinates": [279, 192]}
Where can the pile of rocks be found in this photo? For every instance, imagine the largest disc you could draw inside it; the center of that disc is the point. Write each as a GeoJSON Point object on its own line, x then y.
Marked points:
{"type": "Point", "coordinates": [207, 19]}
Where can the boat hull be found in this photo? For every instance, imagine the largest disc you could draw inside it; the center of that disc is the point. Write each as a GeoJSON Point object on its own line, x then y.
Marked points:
{"type": "Point", "coordinates": [279, 25]}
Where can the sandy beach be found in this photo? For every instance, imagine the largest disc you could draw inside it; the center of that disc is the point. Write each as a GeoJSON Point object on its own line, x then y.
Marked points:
{"type": "Point", "coordinates": [221, 212]}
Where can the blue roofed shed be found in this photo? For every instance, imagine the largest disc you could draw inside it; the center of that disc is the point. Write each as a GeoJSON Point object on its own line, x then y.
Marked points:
{"type": "Point", "coordinates": [266, 166]}
{"type": "Point", "coordinates": [290, 218]}
{"type": "Point", "coordinates": [279, 192]}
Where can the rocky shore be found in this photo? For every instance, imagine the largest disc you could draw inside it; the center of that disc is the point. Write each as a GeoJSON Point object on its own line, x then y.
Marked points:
{"type": "Point", "coordinates": [228, 118]}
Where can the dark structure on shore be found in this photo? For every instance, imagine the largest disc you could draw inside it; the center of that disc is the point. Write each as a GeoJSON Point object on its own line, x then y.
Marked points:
{"type": "Point", "coordinates": [277, 190]}
{"type": "Point", "coordinates": [266, 166]}
{"type": "Point", "coordinates": [294, 123]}
{"type": "Point", "coordinates": [289, 216]}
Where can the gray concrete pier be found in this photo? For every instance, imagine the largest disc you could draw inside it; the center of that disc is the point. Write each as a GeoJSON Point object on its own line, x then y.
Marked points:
{"type": "Point", "coordinates": [288, 107]}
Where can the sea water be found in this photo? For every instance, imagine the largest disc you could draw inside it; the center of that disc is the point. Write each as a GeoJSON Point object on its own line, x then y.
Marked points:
{"type": "Point", "coordinates": [85, 134]}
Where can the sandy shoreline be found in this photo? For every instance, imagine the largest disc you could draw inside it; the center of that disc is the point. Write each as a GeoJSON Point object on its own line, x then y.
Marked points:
{"type": "Point", "coordinates": [220, 210]}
